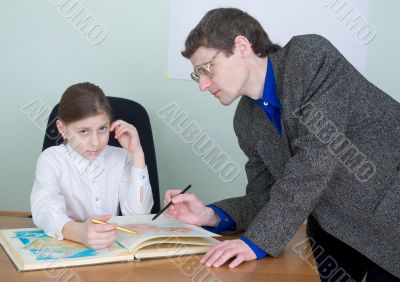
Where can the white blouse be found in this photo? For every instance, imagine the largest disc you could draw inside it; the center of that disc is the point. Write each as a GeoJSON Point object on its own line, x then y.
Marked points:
{"type": "Point", "coordinates": [70, 187]}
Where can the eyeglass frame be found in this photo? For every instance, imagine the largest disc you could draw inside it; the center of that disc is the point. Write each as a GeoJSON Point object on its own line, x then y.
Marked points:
{"type": "Point", "coordinates": [195, 75]}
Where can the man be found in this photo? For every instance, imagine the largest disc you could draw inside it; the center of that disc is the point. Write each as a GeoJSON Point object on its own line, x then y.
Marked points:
{"type": "Point", "coordinates": [322, 144]}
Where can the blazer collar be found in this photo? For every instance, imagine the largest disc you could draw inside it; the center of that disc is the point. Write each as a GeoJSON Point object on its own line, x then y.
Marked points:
{"type": "Point", "coordinates": [274, 149]}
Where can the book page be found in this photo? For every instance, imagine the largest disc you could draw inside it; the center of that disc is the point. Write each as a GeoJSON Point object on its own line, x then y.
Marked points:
{"type": "Point", "coordinates": [162, 227]}
{"type": "Point", "coordinates": [31, 248]}
{"type": "Point", "coordinates": [169, 250]}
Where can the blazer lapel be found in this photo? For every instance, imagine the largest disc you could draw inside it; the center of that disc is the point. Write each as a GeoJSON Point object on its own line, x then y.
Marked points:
{"type": "Point", "coordinates": [273, 149]}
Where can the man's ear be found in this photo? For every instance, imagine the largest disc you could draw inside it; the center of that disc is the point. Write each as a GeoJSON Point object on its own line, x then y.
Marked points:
{"type": "Point", "coordinates": [61, 128]}
{"type": "Point", "coordinates": [243, 45]}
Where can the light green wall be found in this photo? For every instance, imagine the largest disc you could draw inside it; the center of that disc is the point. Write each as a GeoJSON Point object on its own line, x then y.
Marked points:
{"type": "Point", "coordinates": [383, 51]}
{"type": "Point", "coordinates": [41, 53]}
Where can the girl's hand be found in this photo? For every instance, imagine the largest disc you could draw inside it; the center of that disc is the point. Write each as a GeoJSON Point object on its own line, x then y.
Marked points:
{"type": "Point", "coordinates": [98, 236]}
{"type": "Point", "coordinates": [127, 136]}
{"type": "Point", "coordinates": [94, 236]}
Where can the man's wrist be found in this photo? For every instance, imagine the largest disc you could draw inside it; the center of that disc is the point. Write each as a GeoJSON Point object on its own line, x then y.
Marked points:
{"type": "Point", "coordinates": [213, 218]}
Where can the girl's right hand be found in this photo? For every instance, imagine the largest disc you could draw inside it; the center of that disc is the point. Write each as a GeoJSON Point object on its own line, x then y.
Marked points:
{"type": "Point", "coordinates": [98, 236]}
{"type": "Point", "coordinates": [188, 208]}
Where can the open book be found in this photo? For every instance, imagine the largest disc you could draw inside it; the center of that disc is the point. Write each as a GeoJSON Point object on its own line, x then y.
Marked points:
{"type": "Point", "coordinates": [31, 248]}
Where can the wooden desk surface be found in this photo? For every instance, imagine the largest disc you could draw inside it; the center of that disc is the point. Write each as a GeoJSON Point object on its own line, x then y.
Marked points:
{"type": "Point", "coordinates": [289, 266]}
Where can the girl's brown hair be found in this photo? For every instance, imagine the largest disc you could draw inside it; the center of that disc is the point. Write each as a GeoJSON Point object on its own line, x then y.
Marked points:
{"type": "Point", "coordinates": [82, 100]}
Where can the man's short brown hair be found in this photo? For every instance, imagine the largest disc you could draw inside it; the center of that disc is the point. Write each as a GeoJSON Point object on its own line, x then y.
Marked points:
{"type": "Point", "coordinates": [219, 28]}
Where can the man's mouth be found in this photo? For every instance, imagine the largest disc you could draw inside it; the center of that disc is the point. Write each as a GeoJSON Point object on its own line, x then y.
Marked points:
{"type": "Point", "coordinates": [215, 93]}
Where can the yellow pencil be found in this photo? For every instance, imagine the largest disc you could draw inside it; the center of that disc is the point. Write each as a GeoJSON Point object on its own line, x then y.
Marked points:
{"type": "Point", "coordinates": [118, 227]}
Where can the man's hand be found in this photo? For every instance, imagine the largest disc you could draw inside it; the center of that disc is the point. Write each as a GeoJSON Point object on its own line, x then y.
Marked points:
{"type": "Point", "coordinates": [188, 208]}
{"type": "Point", "coordinates": [221, 253]}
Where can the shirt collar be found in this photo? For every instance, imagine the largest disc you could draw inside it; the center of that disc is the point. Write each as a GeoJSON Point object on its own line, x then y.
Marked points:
{"type": "Point", "coordinates": [92, 168]}
{"type": "Point", "coordinates": [269, 93]}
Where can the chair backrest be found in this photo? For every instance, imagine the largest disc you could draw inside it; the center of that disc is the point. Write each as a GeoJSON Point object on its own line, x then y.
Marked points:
{"type": "Point", "coordinates": [131, 112]}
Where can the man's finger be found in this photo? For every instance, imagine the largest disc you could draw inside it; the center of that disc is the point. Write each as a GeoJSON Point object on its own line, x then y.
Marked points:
{"type": "Point", "coordinates": [238, 260]}
{"type": "Point", "coordinates": [170, 194]}
{"type": "Point", "coordinates": [226, 255]}
{"type": "Point", "coordinates": [209, 253]}
{"type": "Point", "coordinates": [216, 256]}
{"type": "Point", "coordinates": [183, 198]}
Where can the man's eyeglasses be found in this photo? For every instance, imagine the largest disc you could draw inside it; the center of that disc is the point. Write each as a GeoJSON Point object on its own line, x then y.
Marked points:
{"type": "Point", "coordinates": [203, 69]}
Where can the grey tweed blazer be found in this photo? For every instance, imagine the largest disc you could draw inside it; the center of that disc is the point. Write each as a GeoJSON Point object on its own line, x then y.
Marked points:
{"type": "Point", "coordinates": [338, 157]}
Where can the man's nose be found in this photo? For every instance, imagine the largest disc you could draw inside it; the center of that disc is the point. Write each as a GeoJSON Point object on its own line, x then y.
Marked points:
{"type": "Point", "coordinates": [204, 83]}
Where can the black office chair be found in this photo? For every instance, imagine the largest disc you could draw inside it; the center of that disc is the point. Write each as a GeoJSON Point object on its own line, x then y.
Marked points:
{"type": "Point", "coordinates": [131, 112]}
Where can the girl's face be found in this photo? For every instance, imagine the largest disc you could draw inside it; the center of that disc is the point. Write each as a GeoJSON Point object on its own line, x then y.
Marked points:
{"type": "Point", "coordinates": [88, 136]}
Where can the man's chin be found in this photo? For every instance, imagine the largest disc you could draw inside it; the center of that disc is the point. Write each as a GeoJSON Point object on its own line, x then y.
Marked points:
{"type": "Point", "coordinates": [226, 102]}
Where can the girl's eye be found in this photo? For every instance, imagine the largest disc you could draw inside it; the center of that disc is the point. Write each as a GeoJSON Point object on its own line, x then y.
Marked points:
{"type": "Point", "coordinates": [103, 129]}
{"type": "Point", "coordinates": [83, 131]}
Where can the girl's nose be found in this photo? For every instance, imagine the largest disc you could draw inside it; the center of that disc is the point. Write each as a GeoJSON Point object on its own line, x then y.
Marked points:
{"type": "Point", "coordinates": [95, 140]}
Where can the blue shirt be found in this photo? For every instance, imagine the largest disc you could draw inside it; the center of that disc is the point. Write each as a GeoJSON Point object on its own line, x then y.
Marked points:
{"type": "Point", "coordinates": [228, 224]}
{"type": "Point", "coordinates": [270, 101]}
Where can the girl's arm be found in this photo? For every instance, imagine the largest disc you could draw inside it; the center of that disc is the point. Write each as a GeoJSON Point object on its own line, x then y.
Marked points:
{"type": "Point", "coordinates": [49, 210]}
{"type": "Point", "coordinates": [135, 193]}
{"type": "Point", "coordinates": [48, 206]}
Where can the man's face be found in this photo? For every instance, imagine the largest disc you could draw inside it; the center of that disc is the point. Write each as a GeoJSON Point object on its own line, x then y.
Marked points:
{"type": "Point", "coordinates": [227, 75]}
{"type": "Point", "coordinates": [88, 136]}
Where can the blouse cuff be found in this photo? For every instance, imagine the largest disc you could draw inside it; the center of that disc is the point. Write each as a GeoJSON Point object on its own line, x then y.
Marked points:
{"type": "Point", "coordinates": [140, 174]}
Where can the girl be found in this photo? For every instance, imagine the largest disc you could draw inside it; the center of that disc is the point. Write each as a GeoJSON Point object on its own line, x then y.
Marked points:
{"type": "Point", "coordinates": [84, 177]}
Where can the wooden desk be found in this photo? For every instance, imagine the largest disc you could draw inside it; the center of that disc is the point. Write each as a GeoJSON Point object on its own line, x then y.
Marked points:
{"type": "Point", "coordinates": [289, 266]}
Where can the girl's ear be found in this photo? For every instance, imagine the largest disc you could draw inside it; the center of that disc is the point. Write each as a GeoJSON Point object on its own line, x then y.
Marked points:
{"type": "Point", "coordinates": [61, 128]}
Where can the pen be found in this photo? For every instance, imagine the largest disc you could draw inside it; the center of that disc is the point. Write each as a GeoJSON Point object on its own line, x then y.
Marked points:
{"type": "Point", "coordinates": [118, 227]}
{"type": "Point", "coordinates": [170, 203]}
